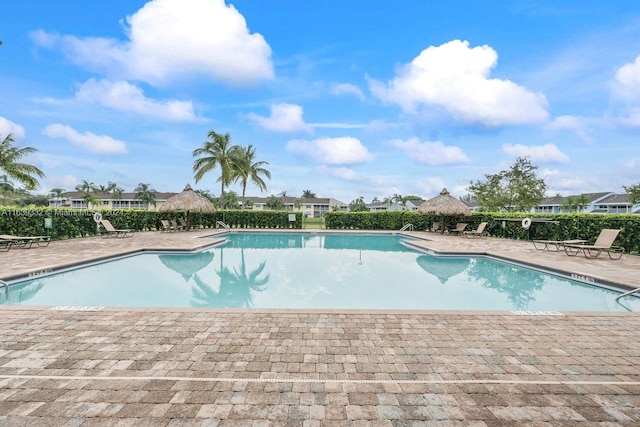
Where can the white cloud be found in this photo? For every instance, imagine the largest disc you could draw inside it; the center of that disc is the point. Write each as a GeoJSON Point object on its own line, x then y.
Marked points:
{"type": "Point", "coordinates": [544, 153]}
{"type": "Point", "coordinates": [335, 151]}
{"type": "Point", "coordinates": [87, 140]}
{"type": "Point", "coordinates": [573, 124]}
{"type": "Point", "coordinates": [8, 127]}
{"type": "Point", "coordinates": [340, 172]}
{"type": "Point", "coordinates": [348, 89]}
{"type": "Point", "coordinates": [171, 39]}
{"type": "Point", "coordinates": [284, 118]}
{"type": "Point", "coordinates": [430, 152]}
{"type": "Point", "coordinates": [627, 81]}
{"type": "Point", "coordinates": [66, 182]}
{"type": "Point", "coordinates": [338, 125]}
{"type": "Point", "coordinates": [123, 96]}
{"type": "Point", "coordinates": [431, 186]}
{"type": "Point", "coordinates": [564, 183]}
{"type": "Point", "coordinates": [455, 78]}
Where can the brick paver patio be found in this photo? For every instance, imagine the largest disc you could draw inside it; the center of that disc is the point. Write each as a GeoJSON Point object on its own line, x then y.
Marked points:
{"type": "Point", "coordinates": [182, 367]}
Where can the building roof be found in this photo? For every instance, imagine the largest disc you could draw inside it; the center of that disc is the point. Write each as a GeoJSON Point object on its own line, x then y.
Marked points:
{"type": "Point", "coordinates": [292, 200]}
{"type": "Point", "coordinates": [77, 195]}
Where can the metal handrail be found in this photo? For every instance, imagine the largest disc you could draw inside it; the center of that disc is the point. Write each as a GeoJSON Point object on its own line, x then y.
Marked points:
{"type": "Point", "coordinates": [221, 224]}
{"type": "Point", "coordinates": [6, 289]}
{"type": "Point", "coordinates": [406, 226]}
{"type": "Point", "coordinates": [627, 294]}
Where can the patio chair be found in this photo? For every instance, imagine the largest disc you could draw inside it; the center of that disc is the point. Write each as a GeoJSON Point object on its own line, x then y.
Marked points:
{"type": "Point", "coordinates": [5, 245]}
{"type": "Point", "coordinates": [478, 232]}
{"type": "Point", "coordinates": [604, 243]}
{"type": "Point", "coordinates": [435, 227]}
{"type": "Point", "coordinates": [25, 242]}
{"type": "Point", "coordinates": [166, 226]}
{"type": "Point", "coordinates": [459, 228]}
{"type": "Point", "coordinates": [175, 225]}
{"type": "Point", "coordinates": [183, 224]}
{"type": "Point", "coordinates": [555, 245]}
{"type": "Point", "coordinates": [110, 230]}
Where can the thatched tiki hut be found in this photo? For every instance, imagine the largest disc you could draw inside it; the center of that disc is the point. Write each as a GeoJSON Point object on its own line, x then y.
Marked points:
{"type": "Point", "coordinates": [444, 204]}
{"type": "Point", "coordinates": [188, 201]}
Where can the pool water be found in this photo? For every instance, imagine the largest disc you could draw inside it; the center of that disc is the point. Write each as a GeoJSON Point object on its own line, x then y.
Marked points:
{"type": "Point", "coordinates": [321, 271]}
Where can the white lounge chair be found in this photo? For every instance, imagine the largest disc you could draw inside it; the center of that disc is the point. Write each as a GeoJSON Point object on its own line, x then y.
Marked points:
{"type": "Point", "coordinates": [604, 243]}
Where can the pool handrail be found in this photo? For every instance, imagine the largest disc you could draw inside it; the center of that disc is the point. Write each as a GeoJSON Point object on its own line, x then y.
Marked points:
{"type": "Point", "coordinates": [633, 291]}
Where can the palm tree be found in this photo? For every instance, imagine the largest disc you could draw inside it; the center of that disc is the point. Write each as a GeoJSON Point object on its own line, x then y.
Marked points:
{"type": "Point", "coordinates": [21, 172]}
{"type": "Point", "coordinates": [115, 190]}
{"type": "Point", "coordinates": [145, 194]}
{"type": "Point", "coordinates": [57, 194]}
{"type": "Point", "coordinates": [244, 168]}
{"type": "Point", "coordinates": [86, 187]}
{"type": "Point", "coordinates": [308, 194]}
{"type": "Point", "coordinates": [217, 151]}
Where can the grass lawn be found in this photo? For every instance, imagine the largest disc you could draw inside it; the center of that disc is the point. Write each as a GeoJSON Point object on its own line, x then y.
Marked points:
{"type": "Point", "coordinates": [313, 223]}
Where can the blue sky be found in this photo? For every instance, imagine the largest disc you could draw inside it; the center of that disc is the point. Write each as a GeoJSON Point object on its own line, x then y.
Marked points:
{"type": "Point", "coordinates": [343, 98]}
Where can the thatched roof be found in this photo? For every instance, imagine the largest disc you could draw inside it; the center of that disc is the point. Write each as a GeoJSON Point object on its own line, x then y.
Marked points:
{"type": "Point", "coordinates": [189, 201]}
{"type": "Point", "coordinates": [444, 204]}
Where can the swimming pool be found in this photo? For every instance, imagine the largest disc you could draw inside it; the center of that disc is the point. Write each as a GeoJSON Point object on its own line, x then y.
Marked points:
{"type": "Point", "coordinates": [312, 271]}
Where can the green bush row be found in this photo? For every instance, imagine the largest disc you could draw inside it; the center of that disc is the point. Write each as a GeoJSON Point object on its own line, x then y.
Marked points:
{"type": "Point", "coordinates": [558, 226]}
{"type": "Point", "coordinates": [71, 223]}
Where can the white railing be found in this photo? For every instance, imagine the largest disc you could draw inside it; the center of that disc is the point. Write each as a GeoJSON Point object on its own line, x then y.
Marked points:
{"type": "Point", "coordinates": [220, 224]}
{"type": "Point", "coordinates": [407, 227]}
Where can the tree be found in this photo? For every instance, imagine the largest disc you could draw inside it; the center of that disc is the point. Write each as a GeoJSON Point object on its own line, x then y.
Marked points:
{"type": "Point", "coordinates": [634, 193]}
{"type": "Point", "coordinates": [245, 168]}
{"type": "Point", "coordinates": [274, 203]}
{"type": "Point", "coordinates": [145, 194]}
{"type": "Point", "coordinates": [229, 200]}
{"type": "Point", "coordinates": [216, 152]}
{"type": "Point", "coordinates": [57, 194]}
{"type": "Point", "coordinates": [574, 203]}
{"type": "Point", "coordinates": [516, 189]}
{"type": "Point", "coordinates": [375, 200]}
{"type": "Point", "coordinates": [297, 204]}
{"type": "Point", "coordinates": [358, 205]}
{"type": "Point", "coordinates": [9, 164]}
{"type": "Point", "coordinates": [308, 194]}
{"type": "Point", "coordinates": [86, 187]}
{"type": "Point", "coordinates": [115, 190]}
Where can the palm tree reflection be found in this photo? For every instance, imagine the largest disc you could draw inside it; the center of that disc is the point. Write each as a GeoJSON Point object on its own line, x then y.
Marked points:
{"type": "Point", "coordinates": [236, 287]}
{"type": "Point", "coordinates": [519, 284]}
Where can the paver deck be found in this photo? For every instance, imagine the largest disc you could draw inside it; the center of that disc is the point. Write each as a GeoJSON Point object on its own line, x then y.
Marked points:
{"type": "Point", "coordinates": [180, 367]}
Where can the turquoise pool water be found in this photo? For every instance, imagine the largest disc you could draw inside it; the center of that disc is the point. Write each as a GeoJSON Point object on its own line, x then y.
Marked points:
{"type": "Point", "coordinates": [277, 270]}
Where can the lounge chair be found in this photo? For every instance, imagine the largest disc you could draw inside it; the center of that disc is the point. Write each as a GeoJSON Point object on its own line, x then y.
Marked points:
{"type": "Point", "coordinates": [166, 226]}
{"type": "Point", "coordinates": [110, 230]}
{"type": "Point", "coordinates": [435, 227]}
{"type": "Point", "coordinates": [478, 232]}
{"type": "Point", "coordinates": [175, 225]}
{"type": "Point", "coordinates": [5, 245]}
{"type": "Point", "coordinates": [555, 245]}
{"type": "Point", "coordinates": [183, 224]}
{"type": "Point", "coordinates": [459, 228]}
{"type": "Point", "coordinates": [604, 243]}
{"type": "Point", "coordinates": [25, 242]}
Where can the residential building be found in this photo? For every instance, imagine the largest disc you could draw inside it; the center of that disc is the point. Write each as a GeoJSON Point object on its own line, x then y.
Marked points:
{"type": "Point", "coordinates": [74, 199]}
{"type": "Point", "coordinates": [310, 207]}
{"type": "Point", "coordinates": [604, 202]}
{"type": "Point", "coordinates": [409, 205]}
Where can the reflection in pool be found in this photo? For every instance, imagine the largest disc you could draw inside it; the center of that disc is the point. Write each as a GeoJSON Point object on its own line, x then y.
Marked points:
{"type": "Point", "coordinates": [281, 270]}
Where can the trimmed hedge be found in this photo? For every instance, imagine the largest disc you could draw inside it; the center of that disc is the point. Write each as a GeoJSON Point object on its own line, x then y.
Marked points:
{"type": "Point", "coordinates": [71, 223]}
{"type": "Point", "coordinates": [562, 227]}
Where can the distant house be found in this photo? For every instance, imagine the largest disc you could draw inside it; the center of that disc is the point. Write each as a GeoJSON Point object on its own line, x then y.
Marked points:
{"type": "Point", "coordinates": [311, 207]}
{"type": "Point", "coordinates": [409, 205]}
{"type": "Point", "coordinates": [74, 199]}
{"type": "Point", "coordinates": [603, 202]}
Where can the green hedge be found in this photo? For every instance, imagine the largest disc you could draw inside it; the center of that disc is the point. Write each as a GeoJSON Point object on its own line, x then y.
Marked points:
{"type": "Point", "coordinates": [563, 227]}
{"type": "Point", "coordinates": [71, 223]}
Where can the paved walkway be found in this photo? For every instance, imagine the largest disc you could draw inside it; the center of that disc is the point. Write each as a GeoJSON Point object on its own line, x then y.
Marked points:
{"type": "Point", "coordinates": [315, 368]}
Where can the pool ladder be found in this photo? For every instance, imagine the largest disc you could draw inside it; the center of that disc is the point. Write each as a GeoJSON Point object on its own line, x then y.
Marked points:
{"type": "Point", "coordinates": [6, 289]}
{"type": "Point", "coordinates": [406, 227]}
{"type": "Point", "coordinates": [221, 224]}
{"type": "Point", "coordinates": [626, 294]}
